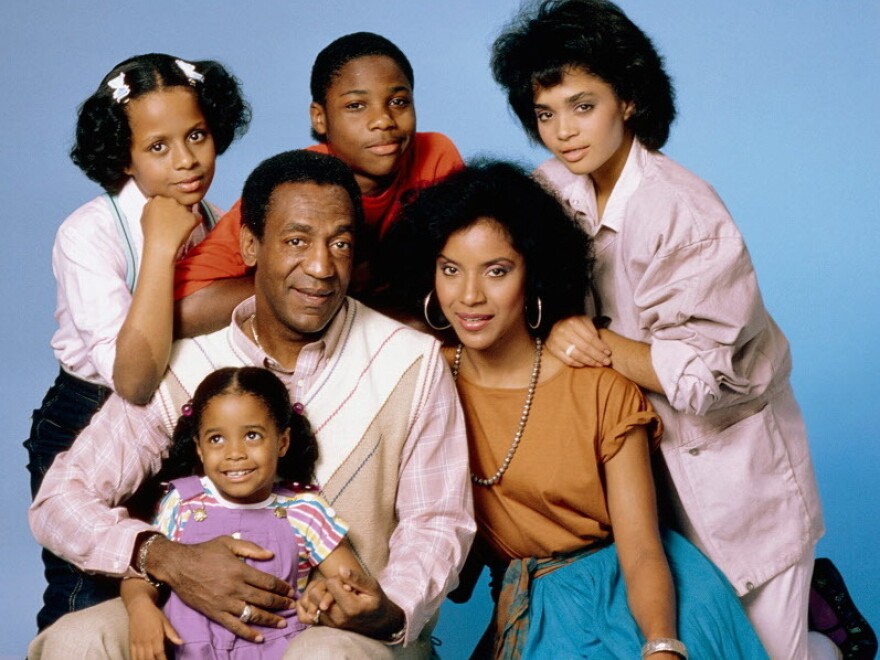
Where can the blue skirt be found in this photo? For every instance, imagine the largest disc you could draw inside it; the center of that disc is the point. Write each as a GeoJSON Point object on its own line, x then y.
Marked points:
{"type": "Point", "coordinates": [581, 611]}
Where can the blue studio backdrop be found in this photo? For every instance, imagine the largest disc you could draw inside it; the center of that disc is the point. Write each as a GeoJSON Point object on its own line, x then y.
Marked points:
{"type": "Point", "coordinates": [777, 109]}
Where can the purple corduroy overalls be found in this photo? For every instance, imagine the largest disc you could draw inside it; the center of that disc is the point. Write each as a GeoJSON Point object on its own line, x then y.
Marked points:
{"type": "Point", "coordinates": [205, 639]}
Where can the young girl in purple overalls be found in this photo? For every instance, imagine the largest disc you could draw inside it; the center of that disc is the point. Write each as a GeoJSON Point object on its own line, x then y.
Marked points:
{"type": "Point", "coordinates": [256, 460]}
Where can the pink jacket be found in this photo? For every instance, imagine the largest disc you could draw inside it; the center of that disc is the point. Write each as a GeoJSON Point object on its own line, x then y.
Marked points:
{"type": "Point", "coordinates": [672, 270]}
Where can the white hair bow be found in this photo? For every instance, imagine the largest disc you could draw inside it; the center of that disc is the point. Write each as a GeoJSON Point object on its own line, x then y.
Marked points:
{"type": "Point", "coordinates": [120, 89]}
{"type": "Point", "coordinates": [189, 70]}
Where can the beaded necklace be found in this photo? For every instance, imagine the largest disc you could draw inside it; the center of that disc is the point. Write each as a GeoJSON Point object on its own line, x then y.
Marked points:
{"type": "Point", "coordinates": [524, 417]}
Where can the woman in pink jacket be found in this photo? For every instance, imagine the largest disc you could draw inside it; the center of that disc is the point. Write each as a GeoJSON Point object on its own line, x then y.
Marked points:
{"type": "Point", "coordinates": [681, 311]}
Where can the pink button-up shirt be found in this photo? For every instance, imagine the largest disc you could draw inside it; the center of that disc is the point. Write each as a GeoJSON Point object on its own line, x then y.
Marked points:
{"type": "Point", "coordinates": [89, 264]}
{"type": "Point", "coordinates": [673, 271]}
{"type": "Point", "coordinates": [78, 514]}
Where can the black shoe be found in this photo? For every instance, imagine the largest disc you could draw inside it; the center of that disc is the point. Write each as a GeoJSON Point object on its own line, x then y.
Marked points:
{"type": "Point", "coordinates": [833, 613]}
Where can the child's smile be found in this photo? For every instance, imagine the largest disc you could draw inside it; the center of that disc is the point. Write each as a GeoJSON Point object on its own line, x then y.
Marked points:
{"type": "Point", "coordinates": [239, 445]}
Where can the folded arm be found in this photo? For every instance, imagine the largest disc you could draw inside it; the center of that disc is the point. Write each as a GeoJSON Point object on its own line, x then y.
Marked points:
{"type": "Point", "coordinates": [708, 326]}
{"type": "Point", "coordinates": [211, 279]}
{"type": "Point", "coordinates": [143, 346]}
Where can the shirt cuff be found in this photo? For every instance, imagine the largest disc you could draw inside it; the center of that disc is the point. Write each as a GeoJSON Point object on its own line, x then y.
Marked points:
{"type": "Point", "coordinates": [396, 594]}
{"type": "Point", "coordinates": [687, 381]}
{"type": "Point", "coordinates": [113, 556]}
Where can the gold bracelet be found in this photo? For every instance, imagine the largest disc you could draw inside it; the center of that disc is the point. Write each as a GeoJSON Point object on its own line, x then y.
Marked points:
{"type": "Point", "coordinates": [141, 568]}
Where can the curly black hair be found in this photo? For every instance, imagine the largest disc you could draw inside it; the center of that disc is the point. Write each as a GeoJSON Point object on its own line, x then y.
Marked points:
{"type": "Point", "coordinates": [557, 253]}
{"type": "Point", "coordinates": [338, 53]}
{"type": "Point", "coordinates": [547, 39]}
{"type": "Point", "coordinates": [297, 465]}
{"type": "Point", "coordinates": [102, 148]}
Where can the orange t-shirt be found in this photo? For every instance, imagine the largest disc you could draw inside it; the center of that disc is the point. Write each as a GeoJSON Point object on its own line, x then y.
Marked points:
{"type": "Point", "coordinates": [431, 157]}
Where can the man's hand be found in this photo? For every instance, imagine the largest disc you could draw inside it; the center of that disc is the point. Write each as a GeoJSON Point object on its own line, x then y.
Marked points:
{"type": "Point", "coordinates": [576, 342]}
{"type": "Point", "coordinates": [351, 601]}
{"type": "Point", "coordinates": [210, 578]}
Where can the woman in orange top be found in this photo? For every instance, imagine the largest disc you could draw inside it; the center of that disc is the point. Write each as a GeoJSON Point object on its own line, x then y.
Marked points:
{"type": "Point", "coordinates": [560, 457]}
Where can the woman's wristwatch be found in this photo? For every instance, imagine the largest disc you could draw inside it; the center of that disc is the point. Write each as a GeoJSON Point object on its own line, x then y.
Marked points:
{"type": "Point", "coordinates": [664, 644]}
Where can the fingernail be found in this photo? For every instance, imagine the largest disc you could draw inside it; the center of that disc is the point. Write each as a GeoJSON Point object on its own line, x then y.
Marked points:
{"type": "Point", "coordinates": [258, 639]}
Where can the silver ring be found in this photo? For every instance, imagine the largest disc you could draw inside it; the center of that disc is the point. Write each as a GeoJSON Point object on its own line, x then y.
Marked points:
{"type": "Point", "coordinates": [569, 350]}
{"type": "Point", "coordinates": [316, 618]}
{"type": "Point", "coordinates": [246, 613]}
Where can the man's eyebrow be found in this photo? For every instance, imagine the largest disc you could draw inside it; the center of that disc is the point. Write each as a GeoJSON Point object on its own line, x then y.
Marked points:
{"type": "Point", "coordinates": [310, 229]}
{"type": "Point", "coordinates": [347, 228]}
{"type": "Point", "coordinates": [297, 226]}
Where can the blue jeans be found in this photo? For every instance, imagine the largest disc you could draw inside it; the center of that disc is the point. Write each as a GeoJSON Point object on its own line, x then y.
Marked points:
{"type": "Point", "coordinates": [66, 410]}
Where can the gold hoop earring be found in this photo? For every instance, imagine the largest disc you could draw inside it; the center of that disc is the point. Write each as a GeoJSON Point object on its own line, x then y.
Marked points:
{"type": "Point", "coordinates": [538, 322]}
{"type": "Point", "coordinates": [428, 315]}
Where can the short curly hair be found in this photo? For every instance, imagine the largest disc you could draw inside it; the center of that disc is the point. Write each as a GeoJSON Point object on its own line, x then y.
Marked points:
{"type": "Point", "coordinates": [338, 53]}
{"type": "Point", "coordinates": [102, 148]}
{"type": "Point", "coordinates": [297, 465]}
{"type": "Point", "coordinates": [296, 166]}
{"type": "Point", "coordinates": [547, 39]}
{"type": "Point", "coordinates": [557, 253]}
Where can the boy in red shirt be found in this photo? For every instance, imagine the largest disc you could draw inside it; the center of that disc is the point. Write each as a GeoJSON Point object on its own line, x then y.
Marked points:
{"type": "Point", "coordinates": [363, 113]}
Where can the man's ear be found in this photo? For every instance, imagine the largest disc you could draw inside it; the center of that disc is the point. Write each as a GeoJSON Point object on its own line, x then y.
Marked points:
{"type": "Point", "coordinates": [318, 117]}
{"type": "Point", "coordinates": [249, 246]}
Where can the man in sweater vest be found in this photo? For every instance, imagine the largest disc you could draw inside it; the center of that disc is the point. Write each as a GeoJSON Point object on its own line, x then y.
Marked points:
{"type": "Point", "coordinates": [383, 406]}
